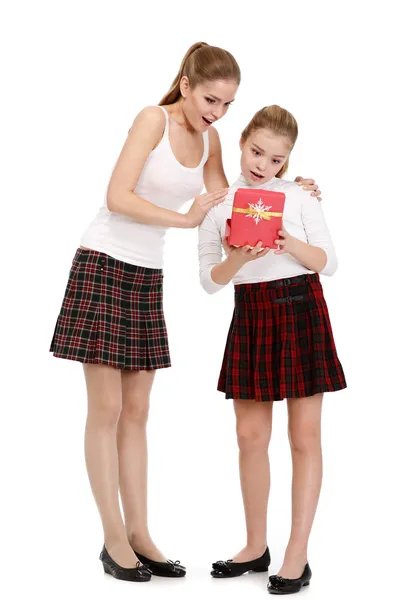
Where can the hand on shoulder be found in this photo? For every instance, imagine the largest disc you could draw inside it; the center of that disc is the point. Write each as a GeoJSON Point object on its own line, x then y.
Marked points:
{"type": "Point", "coordinates": [309, 185]}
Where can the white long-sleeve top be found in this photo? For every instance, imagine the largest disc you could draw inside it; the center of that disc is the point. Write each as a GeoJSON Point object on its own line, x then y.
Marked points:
{"type": "Point", "coordinates": [303, 218]}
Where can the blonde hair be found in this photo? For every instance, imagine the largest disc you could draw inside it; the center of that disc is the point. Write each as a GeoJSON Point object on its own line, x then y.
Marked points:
{"type": "Point", "coordinates": [203, 63]}
{"type": "Point", "coordinates": [279, 121]}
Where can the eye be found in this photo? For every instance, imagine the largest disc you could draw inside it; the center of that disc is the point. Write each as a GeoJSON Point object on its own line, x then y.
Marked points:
{"type": "Point", "coordinates": [276, 161]}
{"type": "Point", "coordinates": [210, 100]}
{"type": "Point", "coordinates": [256, 152]}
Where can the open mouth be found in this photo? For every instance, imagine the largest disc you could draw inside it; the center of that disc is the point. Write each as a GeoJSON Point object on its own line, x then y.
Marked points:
{"type": "Point", "coordinates": [207, 121]}
{"type": "Point", "coordinates": [257, 176]}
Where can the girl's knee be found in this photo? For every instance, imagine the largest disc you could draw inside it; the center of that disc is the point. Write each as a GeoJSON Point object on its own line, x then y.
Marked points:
{"type": "Point", "coordinates": [252, 436]}
{"type": "Point", "coordinates": [135, 409]}
{"type": "Point", "coordinates": [305, 439]}
{"type": "Point", "coordinates": [105, 411]}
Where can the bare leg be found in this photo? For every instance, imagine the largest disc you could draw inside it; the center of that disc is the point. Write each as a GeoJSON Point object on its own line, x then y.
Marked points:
{"type": "Point", "coordinates": [305, 443]}
{"type": "Point", "coordinates": [254, 426]}
{"type": "Point", "coordinates": [132, 452]}
{"type": "Point", "coordinates": [104, 406]}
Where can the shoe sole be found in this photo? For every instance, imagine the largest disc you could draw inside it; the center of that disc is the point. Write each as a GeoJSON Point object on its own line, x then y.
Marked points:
{"type": "Point", "coordinates": [170, 576]}
{"type": "Point", "coordinates": [108, 571]}
{"type": "Point", "coordinates": [277, 593]}
{"type": "Point", "coordinates": [217, 575]}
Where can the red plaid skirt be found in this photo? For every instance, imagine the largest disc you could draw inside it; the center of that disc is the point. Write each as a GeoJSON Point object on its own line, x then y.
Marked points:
{"type": "Point", "coordinates": [280, 343]}
{"type": "Point", "coordinates": [112, 313]}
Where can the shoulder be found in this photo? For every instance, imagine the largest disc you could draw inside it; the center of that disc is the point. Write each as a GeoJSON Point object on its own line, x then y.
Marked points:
{"type": "Point", "coordinates": [149, 118]}
{"type": "Point", "coordinates": [293, 190]}
{"type": "Point", "coordinates": [214, 141]}
{"type": "Point", "coordinates": [282, 185]}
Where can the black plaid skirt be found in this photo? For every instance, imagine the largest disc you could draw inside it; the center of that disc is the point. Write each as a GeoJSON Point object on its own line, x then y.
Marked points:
{"type": "Point", "coordinates": [280, 342]}
{"type": "Point", "coordinates": [112, 313]}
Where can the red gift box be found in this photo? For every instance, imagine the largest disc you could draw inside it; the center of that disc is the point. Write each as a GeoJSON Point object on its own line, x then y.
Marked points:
{"type": "Point", "coordinates": [256, 217]}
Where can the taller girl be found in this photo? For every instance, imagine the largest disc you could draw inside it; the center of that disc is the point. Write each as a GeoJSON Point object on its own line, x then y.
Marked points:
{"type": "Point", "coordinates": [112, 318]}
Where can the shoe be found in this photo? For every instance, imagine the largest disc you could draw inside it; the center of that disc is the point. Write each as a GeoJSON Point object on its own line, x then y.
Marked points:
{"type": "Point", "coordinates": [280, 585]}
{"type": "Point", "coordinates": [163, 569]}
{"type": "Point", "coordinates": [228, 568]}
{"type": "Point", "coordinates": [140, 573]}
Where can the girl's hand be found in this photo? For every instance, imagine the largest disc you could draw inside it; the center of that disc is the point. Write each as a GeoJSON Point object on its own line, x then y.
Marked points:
{"type": "Point", "coordinates": [286, 242]}
{"type": "Point", "coordinates": [202, 205]}
{"type": "Point", "coordinates": [309, 184]}
{"type": "Point", "coordinates": [245, 254]}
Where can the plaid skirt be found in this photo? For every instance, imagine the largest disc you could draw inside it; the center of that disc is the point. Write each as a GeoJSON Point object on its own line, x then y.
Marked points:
{"type": "Point", "coordinates": [280, 343]}
{"type": "Point", "coordinates": [112, 313]}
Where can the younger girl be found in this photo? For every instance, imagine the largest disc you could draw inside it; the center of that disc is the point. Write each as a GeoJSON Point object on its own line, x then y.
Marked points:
{"type": "Point", "coordinates": [280, 344]}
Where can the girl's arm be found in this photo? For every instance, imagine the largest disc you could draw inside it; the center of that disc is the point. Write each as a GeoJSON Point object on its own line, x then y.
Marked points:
{"type": "Point", "coordinates": [319, 254]}
{"type": "Point", "coordinates": [236, 259]}
{"type": "Point", "coordinates": [214, 174]}
{"type": "Point", "coordinates": [143, 137]}
{"type": "Point", "coordinates": [214, 274]}
{"type": "Point", "coordinates": [210, 252]}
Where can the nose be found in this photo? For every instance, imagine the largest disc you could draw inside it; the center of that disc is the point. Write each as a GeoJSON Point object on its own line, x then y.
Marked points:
{"type": "Point", "coordinates": [262, 164]}
{"type": "Point", "coordinates": [218, 112]}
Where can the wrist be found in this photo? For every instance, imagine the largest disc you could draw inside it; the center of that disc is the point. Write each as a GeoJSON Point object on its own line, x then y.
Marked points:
{"type": "Point", "coordinates": [236, 260]}
{"type": "Point", "coordinates": [185, 221]}
{"type": "Point", "coordinates": [293, 245]}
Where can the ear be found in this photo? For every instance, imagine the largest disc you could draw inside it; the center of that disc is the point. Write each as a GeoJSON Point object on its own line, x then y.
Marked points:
{"type": "Point", "coordinates": [184, 86]}
{"type": "Point", "coordinates": [241, 143]}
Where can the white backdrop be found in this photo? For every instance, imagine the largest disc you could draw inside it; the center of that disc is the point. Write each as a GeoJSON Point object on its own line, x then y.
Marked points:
{"type": "Point", "coordinates": [75, 74]}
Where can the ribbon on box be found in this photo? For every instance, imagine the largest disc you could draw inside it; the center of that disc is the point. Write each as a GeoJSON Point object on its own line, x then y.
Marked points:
{"type": "Point", "coordinates": [260, 213]}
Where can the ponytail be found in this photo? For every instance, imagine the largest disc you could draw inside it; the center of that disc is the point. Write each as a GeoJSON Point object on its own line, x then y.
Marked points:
{"type": "Point", "coordinates": [202, 62]}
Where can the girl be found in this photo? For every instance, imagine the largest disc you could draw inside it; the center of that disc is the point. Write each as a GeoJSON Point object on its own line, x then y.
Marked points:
{"type": "Point", "coordinates": [280, 344]}
{"type": "Point", "coordinates": [111, 318]}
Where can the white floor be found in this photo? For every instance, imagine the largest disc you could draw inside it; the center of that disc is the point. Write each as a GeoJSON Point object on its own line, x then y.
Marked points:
{"type": "Point", "coordinates": [56, 575]}
{"type": "Point", "coordinates": [52, 538]}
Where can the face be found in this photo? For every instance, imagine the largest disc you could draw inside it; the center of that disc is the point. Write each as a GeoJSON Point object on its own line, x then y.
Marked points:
{"type": "Point", "coordinates": [263, 155]}
{"type": "Point", "coordinates": [208, 102]}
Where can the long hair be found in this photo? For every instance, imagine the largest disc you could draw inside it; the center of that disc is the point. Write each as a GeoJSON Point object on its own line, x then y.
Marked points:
{"type": "Point", "coordinates": [203, 63]}
{"type": "Point", "coordinates": [279, 121]}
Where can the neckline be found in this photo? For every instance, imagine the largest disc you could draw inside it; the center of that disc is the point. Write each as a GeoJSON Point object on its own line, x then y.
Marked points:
{"type": "Point", "coordinates": [166, 135]}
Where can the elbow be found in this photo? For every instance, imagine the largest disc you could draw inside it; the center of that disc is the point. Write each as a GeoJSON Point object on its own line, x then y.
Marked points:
{"type": "Point", "coordinates": [110, 200]}
{"type": "Point", "coordinates": [332, 269]}
{"type": "Point", "coordinates": [331, 265]}
{"type": "Point", "coordinates": [113, 199]}
{"type": "Point", "coordinates": [208, 284]}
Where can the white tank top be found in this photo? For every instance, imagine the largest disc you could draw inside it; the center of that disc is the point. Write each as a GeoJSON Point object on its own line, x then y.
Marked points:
{"type": "Point", "coordinates": [165, 183]}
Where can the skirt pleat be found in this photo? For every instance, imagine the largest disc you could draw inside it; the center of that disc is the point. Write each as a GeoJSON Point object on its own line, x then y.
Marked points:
{"type": "Point", "coordinates": [280, 343]}
{"type": "Point", "coordinates": [112, 313]}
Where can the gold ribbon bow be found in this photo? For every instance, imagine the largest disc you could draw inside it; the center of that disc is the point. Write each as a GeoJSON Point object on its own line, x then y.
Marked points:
{"type": "Point", "coordinates": [263, 214]}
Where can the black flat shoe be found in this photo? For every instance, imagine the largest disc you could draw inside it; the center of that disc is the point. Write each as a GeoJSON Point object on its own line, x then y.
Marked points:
{"type": "Point", "coordinates": [228, 568]}
{"type": "Point", "coordinates": [163, 569]}
{"type": "Point", "coordinates": [280, 585]}
{"type": "Point", "coordinates": [140, 573]}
